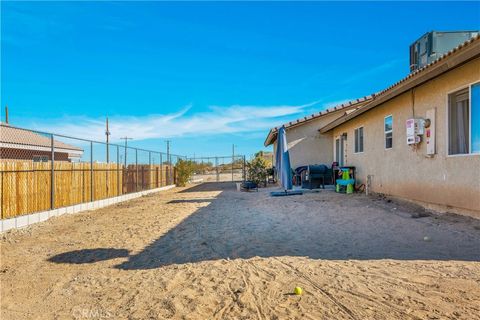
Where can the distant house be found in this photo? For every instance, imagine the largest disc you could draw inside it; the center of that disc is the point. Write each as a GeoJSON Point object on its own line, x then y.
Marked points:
{"type": "Point", "coordinates": [21, 144]}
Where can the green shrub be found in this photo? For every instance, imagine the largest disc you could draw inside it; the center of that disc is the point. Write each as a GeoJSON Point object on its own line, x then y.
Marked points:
{"type": "Point", "coordinates": [257, 170]}
{"type": "Point", "coordinates": [185, 169]}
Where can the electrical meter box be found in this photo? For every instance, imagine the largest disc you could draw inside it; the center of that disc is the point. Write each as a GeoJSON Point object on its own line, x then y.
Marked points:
{"type": "Point", "coordinates": [415, 128]}
{"type": "Point", "coordinates": [430, 132]}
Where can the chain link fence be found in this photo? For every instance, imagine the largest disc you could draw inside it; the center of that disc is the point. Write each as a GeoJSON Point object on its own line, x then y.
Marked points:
{"type": "Point", "coordinates": [219, 169]}
{"type": "Point", "coordinates": [42, 171]}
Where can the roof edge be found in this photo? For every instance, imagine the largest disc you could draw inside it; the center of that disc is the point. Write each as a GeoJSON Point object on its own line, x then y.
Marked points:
{"type": "Point", "coordinates": [341, 107]}
{"type": "Point", "coordinates": [460, 55]}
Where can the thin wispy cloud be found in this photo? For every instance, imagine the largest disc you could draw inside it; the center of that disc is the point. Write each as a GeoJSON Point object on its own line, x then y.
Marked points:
{"type": "Point", "coordinates": [30, 29]}
{"type": "Point", "coordinates": [357, 77]}
{"type": "Point", "coordinates": [216, 121]}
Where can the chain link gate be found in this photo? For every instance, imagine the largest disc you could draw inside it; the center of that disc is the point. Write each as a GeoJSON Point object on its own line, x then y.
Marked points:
{"type": "Point", "coordinates": [219, 169]}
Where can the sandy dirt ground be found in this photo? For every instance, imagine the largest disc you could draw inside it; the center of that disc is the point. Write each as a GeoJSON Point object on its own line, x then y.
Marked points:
{"type": "Point", "coordinates": [209, 252]}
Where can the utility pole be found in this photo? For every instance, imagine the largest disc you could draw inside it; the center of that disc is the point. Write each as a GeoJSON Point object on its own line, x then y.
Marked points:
{"type": "Point", "coordinates": [168, 150]}
{"type": "Point", "coordinates": [126, 138]}
{"type": "Point", "coordinates": [6, 114]}
{"type": "Point", "coordinates": [107, 134]}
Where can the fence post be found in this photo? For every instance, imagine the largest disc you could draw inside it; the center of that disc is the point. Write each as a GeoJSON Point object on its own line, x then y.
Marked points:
{"type": "Point", "coordinates": [170, 170]}
{"type": "Point", "coordinates": [83, 182]}
{"type": "Point", "coordinates": [149, 170]}
{"type": "Point", "coordinates": [167, 171]}
{"type": "Point", "coordinates": [91, 171]}
{"type": "Point", "coordinates": [244, 173]}
{"type": "Point", "coordinates": [1, 195]}
{"type": "Point", "coordinates": [107, 186]}
{"type": "Point", "coordinates": [161, 169]}
{"type": "Point", "coordinates": [52, 178]}
{"type": "Point", "coordinates": [216, 168]}
{"type": "Point", "coordinates": [118, 171]}
{"type": "Point", "coordinates": [136, 169]}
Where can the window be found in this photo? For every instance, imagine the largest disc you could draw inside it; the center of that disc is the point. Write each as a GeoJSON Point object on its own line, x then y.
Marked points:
{"type": "Point", "coordinates": [388, 125]}
{"type": "Point", "coordinates": [464, 121]}
{"type": "Point", "coordinates": [40, 158]}
{"type": "Point", "coordinates": [359, 140]}
{"type": "Point", "coordinates": [337, 150]}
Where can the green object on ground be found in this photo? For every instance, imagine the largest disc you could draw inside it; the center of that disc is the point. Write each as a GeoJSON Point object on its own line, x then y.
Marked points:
{"type": "Point", "coordinates": [345, 182]}
{"type": "Point", "coordinates": [349, 188]}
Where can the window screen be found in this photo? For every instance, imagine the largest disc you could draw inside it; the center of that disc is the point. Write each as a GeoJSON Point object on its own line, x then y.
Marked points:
{"type": "Point", "coordinates": [359, 140]}
{"type": "Point", "coordinates": [40, 158]}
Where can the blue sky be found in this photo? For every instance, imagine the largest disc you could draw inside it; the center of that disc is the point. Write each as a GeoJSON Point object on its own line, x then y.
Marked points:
{"type": "Point", "coordinates": [204, 75]}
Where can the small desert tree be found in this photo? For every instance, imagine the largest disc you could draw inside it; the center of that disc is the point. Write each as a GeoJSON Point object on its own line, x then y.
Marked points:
{"type": "Point", "coordinates": [185, 170]}
{"type": "Point", "coordinates": [257, 169]}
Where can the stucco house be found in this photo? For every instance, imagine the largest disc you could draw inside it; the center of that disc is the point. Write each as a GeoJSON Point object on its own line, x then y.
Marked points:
{"type": "Point", "coordinates": [419, 139]}
{"type": "Point", "coordinates": [439, 166]}
{"type": "Point", "coordinates": [306, 144]}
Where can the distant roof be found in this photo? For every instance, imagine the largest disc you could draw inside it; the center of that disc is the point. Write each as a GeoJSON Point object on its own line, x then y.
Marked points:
{"type": "Point", "coordinates": [346, 107]}
{"type": "Point", "coordinates": [13, 137]}
{"type": "Point", "coordinates": [456, 57]}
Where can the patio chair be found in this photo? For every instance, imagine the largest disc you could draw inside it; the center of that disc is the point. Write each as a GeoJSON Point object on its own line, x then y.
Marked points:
{"type": "Point", "coordinates": [297, 175]}
{"type": "Point", "coordinates": [346, 183]}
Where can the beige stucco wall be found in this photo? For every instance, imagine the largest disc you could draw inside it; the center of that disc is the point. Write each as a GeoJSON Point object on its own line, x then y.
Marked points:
{"type": "Point", "coordinates": [449, 182]}
{"type": "Point", "coordinates": [307, 145]}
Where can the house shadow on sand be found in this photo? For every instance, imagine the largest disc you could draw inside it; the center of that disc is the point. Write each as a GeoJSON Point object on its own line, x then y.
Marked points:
{"type": "Point", "coordinates": [242, 230]}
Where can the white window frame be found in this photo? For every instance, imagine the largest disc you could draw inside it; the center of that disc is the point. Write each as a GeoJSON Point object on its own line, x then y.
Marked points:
{"type": "Point", "coordinates": [385, 133]}
{"type": "Point", "coordinates": [447, 104]}
{"type": "Point", "coordinates": [335, 149]}
{"type": "Point", "coordinates": [340, 149]}
{"type": "Point", "coordinates": [355, 139]}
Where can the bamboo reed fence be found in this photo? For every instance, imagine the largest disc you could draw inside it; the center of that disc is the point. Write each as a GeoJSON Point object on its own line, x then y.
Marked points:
{"type": "Point", "coordinates": [25, 186]}
{"type": "Point", "coordinates": [40, 171]}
